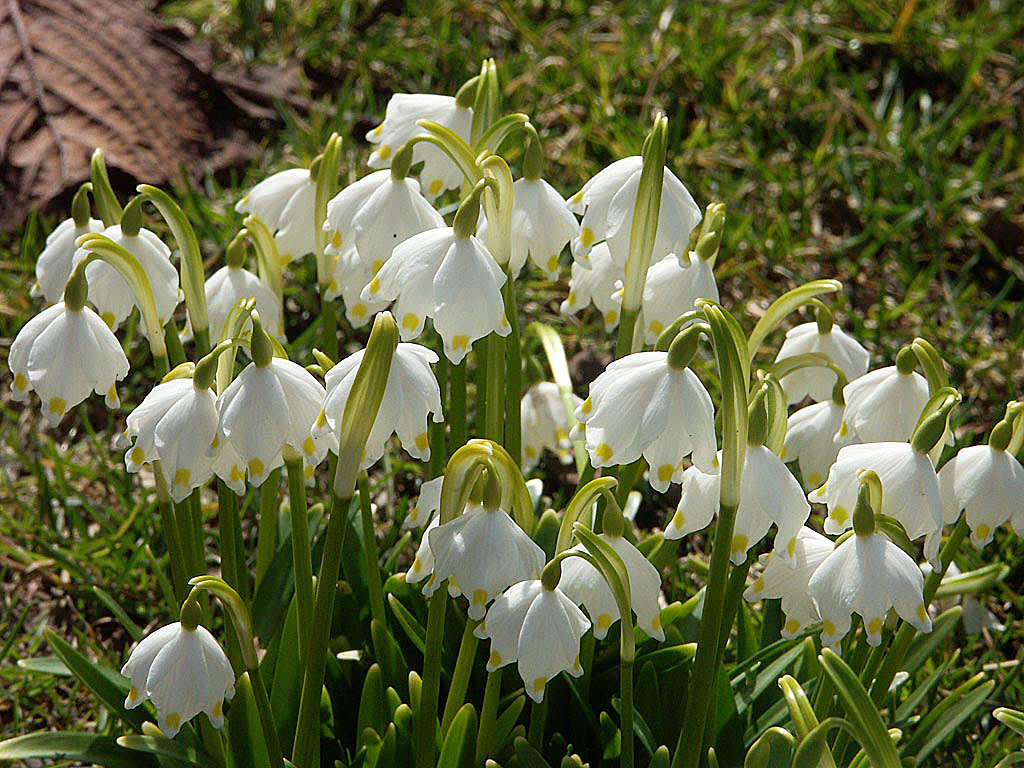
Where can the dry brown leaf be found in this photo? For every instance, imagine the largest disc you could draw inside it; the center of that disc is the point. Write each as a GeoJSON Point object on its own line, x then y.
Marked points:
{"type": "Point", "coordinates": [80, 74]}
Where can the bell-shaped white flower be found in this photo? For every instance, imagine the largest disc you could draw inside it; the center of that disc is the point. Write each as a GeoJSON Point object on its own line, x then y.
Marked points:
{"type": "Point", "coordinates": [62, 355]}
{"type": "Point", "coordinates": [545, 423]}
{"type": "Point", "coordinates": [537, 627]}
{"type": "Point", "coordinates": [585, 586]}
{"type": "Point", "coordinates": [484, 551]}
{"type": "Point", "coordinates": [607, 202]}
{"type": "Point", "coordinates": [976, 616]}
{"type": "Point", "coordinates": [672, 289]}
{"type": "Point", "coordinates": [427, 505]}
{"type": "Point", "coordinates": [788, 579]}
{"type": "Point", "coordinates": [285, 202]}
{"type": "Point", "coordinates": [53, 267]}
{"type": "Point", "coordinates": [230, 284]}
{"type": "Point", "coordinates": [403, 111]}
{"type": "Point", "coordinates": [451, 279]}
{"type": "Point", "coordinates": [910, 490]}
{"type": "Point", "coordinates": [183, 672]}
{"type": "Point", "coordinates": [228, 465]}
{"type": "Point", "coordinates": [542, 225]}
{"type": "Point", "coordinates": [111, 294]}
{"type": "Point", "coordinates": [642, 406]}
{"type": "Point", "coordinates": [884, 404]}
{"type": "Point", "coordinates": [986, 483]}
{"type": "Point", "coordinates": [814, 436]}
{"type": "Point", "coordinates": [410, 396]}
{"type": "Point", "coordinates": [268, 408]}
{"type": "Point", "coordinates": [375, 214]}
{"type": "Point", "coordinates": [600, 284]}
{"type": "Point", "coordinates": [817, 381]}
{"type": "Point", "coordinates": [867, 575]}
{"type": "Point", "coordinates": [769, 494]}
{"type": "Point", "coordinates": [176, 424]}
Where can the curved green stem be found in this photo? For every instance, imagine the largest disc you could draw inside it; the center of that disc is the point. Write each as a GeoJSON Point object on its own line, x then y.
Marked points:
{"type": "Point", "coordinates": [374, 585]}
{"type": "Point", "coordinates": [488, 717]}
{"type": "Point", "coordinates": [302, 559]}
{"type": "Point", "coordinates": [266, 717]}
{"type": "Point", "coordinates": [626, 711]}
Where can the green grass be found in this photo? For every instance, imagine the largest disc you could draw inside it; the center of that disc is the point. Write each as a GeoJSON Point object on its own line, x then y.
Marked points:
{"type": "Point", "coordinates": [847, 140]}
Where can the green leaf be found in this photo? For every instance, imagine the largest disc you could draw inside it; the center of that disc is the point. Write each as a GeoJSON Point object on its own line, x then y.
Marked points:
{"type": "Point", "coordinates": [286, 683]}
{"type": "Point", "coordinates": [389, 656]}
{"type": "Point", "coordinates": [459, 748]}
{"type": "Point", "coordinates": [944, 718]}
{"type": "Point", "coordinates": [82, 747]}
{"type": "Point", "coordinates": [246, 746]}
{"type": "Point", "coordinates": [972, 582]}
{"type": "Point", "coordinates": [105, 684]}
{"type": "Point", "coordinates": [507, 721]}
{"type": "Point", "coordinates": [660, 758]}
{"type": "Point", "coordinates": [119, 613]}
{"type": "Point", "coordinates": [412, 628]}
{"type": "Point", "coordinates": [545, 533]}
{"type": "Point", "coordinates": [372, 707]}
{"type": "Point", "coordinates": [867, 723]}
{"type": "Point", "coordinates": [925, 689]}
{"type": "Point", "coordinates": [1011, 718]}
{"type": "Point", "coordinates": [177, 749]}
{"type": "Point", "coordinates": [528, 757]}
{"type": "Point", "coordinates": [47, 665]}
{"type": "Point", "coordinates": [747, 690]}
{"type": "Point", "coordinates": [926, 645]}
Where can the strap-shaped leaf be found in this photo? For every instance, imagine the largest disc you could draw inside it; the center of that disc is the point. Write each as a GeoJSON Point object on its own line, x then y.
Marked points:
{"type": "Point", "coordinates": [179, 750]}
{"type": "Point", "coordinates": [946, 716]}
{"type": "Point", "coordinates": [105, 684]}
{"type": "Point", "coordinates": [868, 728]}
{"type": "Point", "coordinates": [459, 746]}
{"type": "Point", "coordinates": [83, 747]}
{"type": "Point", "coordinates": [245, 737]}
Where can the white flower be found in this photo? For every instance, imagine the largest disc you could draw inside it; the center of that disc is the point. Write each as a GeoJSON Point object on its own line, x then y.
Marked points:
{"type": "Point", "coordinates": [976, 617]}
{"type": "Point", "coordinates": [545, 423]}
{"type": "Point", "coordinates": [885, 404]}
{"type": "Point", "coordinates": [451, 279]}
{"type": "Point", "coordinates": [183, 672]}
{"type": "Point", "coordinates": [426, 505]}
{"type": "Point", "coordinates": [229, 467]}
{"type": "Point", "coordinates": [484, 551]}
{"type": "Point", "coordinates": [599, 283]}
{"type": "Point", "coordinates": [375, 214]}
{"type": "Point", "coordinates": [227, 286]}
{"type": "Point", "coordinates": [410, 396]}
{"type": "Point", "coordinates": [607, 201]}
{"type": "Point", "coordinates": [111, 294]}
{"type": "Point", "coordinates": [53, 267]}
{"type": "Point", "coordinates": [910, 490]}
{"type": "Point", "coordinates": [769, 494]}
{"type": "Point", "coordinates": [285, 202]}
{"type": "Point", "coordinates": [176, 424]}
{"type": "Point", "coordinates": [814, 436]}
{"type": "Point", "coordinates": [817, 381]}
{"type": "Point", "coordinates": [989, 485]}
{"type": "Point", "coordinates": [349, 277]}
{"type": "Point", "coordinates": [64, 354]}
{"type": "Point", "coordinates": [787, 579]}
{"type": "Point", "coordinates": [867, 574]}
{"type": "Point", "coordinates": [672, 289]}
{"type": "Point", "coordinates": [266, 409]}
{"type": "Point", "coordinates": [641, 406]}
{"type": "Point", "coordinates": [585, 585]}
{"type": "Point", "coordinates": [403, 110]}
{"type": "Point", "coordinates": [542, 224]}
{"type": "Point", "coordinates": [540, 629]}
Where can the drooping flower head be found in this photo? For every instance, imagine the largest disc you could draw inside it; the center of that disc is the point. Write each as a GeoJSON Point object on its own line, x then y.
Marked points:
{"type": "Point", "coordinates": [183, 671]}
{"type": "Point", "coordinates": [643, 406]}
{"type": "Point", "coordinates": [885, 404]}
{"type": "Point", "coordinates": [814, 436]}
{"type": "Point", "coordinates": [537, 627]}
{"type": "Point", "coordinates": [672, 288]}
{"type": "Point", "coordinates": [545, 423]}
{"type": "Point", "coordinates": [410, 397]}
{"type": "Point", "coordinates": [400, 117]}
{"type": "Point", "coordinates": [284, 202]}
{"type": "Point", "coordinates": [53, 267]}
{"type": "Point", "coordinates": [600, 284]}
{"type": "Point", "coordinates": [824, 338]}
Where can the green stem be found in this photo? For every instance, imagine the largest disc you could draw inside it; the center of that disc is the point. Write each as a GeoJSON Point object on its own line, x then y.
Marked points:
{"type": "Point", "coordinates": [306, 750]}
{"type": "Point", "coordinates": [426, 718]}
{"type": "Point", "coordinates": [438, 439]}
{"type": "Point", "coordinates": [302, 559]}
{"type": "Point", "coordinates": [460, 677]}
{"type": "Point", "coordinates": [513, 374]}
{"type": "Point", "coordinates": [538, 723]}
{"type": "Point", "coordinates": [374, 583]}
{"type": "Point", "coordinates": [266, 543]}
{"type": "Point", "coordinates": [266, 717]}
{"type": "Point", "coordinates": [457, 406]}
{"type": "Point", "coordinates": [906, 633]}
{"type": "Point", "coordinates": [627, 323]}
{"type": "Point", "coordinates": [231, 534]}
{"type": "Point", "coordinates": [488, 717]}
{"type": "Point", "coordinates": [626, 712]}
{"type": "Point", "coordinates": [201, 340]}
{"type": "Point", "coordinates": [195, 519]}
{"type": "Point", "coordinates": [689, 748]}
{"type": "Point", "coordinates": [179, 571]}
{"type": "Point", "coordinates": [175, 352]}
{"type": "Point", "coordinates": [494, 417]}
